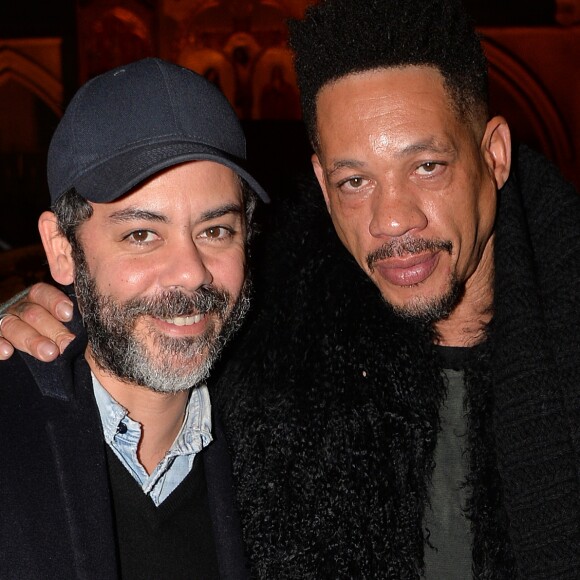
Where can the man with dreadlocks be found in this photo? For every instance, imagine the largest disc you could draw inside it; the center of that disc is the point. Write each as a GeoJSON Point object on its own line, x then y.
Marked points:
{"type": "Point", "coordinates": [408, 406]}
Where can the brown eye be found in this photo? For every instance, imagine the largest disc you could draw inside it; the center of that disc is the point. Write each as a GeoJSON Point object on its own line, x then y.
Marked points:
{"type": "Point", "coordinates": [213, 232]}
{"type": "Point", "coordinates": [140, 236]}
{"type": "Point", "coordinates": [430, 168]}
{"type": "Point", "coordinates": [353, 184]}
{"type": "Point", "coordinates": [217, 233]}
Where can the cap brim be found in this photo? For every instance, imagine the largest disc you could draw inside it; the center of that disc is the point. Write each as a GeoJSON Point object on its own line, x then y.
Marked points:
{"type": "Point", "coordinates": [118, 175]}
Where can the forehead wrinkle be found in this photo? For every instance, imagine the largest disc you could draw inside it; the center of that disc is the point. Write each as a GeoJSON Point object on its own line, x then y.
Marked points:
{"type": "Point", "coordinates": [377, 108]}
{"type": "Point", "coordinates": [384, 141]}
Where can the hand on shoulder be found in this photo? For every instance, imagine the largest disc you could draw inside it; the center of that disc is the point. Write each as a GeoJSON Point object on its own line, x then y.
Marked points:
{"type": "Point", "coordinates": [33, 323]}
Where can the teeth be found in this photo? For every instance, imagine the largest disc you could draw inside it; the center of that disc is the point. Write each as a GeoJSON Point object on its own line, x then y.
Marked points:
{"type": "Point", "coordinates": [184, 320]}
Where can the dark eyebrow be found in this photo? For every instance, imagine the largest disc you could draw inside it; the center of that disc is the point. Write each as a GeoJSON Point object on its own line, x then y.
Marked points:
{"type": "Point", "coordinates": [211, 214]}
{"type": "Point", "coordinates": [345, 163]}
{"type": "Point", "coordinates": [428, 145]}
{"type": "Point", "coordinates": [133, 213]}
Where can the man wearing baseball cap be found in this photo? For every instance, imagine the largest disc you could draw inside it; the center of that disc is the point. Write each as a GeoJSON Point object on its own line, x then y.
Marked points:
{"type": "Point", "coordinates": [113, 463]}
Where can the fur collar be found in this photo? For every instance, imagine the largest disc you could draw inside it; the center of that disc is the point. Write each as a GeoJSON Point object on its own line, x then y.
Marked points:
{"type": "Point", "coordinates": [331, 405]}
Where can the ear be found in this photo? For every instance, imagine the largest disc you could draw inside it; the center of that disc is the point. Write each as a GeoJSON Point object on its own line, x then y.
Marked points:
{"type": "Point", "coordinates": [319, 172]}
{"type": "Point", "coordinates": [57, 248]}
{"type": "Point", "coordinates": [497, 149]}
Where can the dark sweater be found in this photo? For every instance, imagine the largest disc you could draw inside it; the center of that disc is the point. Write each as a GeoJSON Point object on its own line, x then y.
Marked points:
{"type": "Point", "coordinates": [172, 540]}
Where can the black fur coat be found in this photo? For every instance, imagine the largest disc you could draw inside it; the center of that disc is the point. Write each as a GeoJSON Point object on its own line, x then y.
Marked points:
{"type": "Point", "coordinates": [331, 403]}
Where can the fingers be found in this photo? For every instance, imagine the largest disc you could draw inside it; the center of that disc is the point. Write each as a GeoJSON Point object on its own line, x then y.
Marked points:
{"type": "Point", "coordinates": [22, 334]}
{"type": "Point", "coordinates": [51, 299]}
{"type": "Point", "coordinates": [28, 340]}
{"type": "Point", "coordinates": [33, 325]}
{"type": "Point", "coordinates": [6, 349]}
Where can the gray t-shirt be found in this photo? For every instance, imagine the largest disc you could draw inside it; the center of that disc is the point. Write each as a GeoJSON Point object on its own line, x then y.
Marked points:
{"type": "Point", "coordinates": [450, 535]}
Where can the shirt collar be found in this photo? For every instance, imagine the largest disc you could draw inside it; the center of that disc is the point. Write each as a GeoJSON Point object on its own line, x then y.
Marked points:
{"type": "Point", "coordinates": [195, 432]}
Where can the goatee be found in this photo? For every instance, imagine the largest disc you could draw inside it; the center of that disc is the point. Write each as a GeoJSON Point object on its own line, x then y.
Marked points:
{"type": "Point", "coordinates": [423, 310]}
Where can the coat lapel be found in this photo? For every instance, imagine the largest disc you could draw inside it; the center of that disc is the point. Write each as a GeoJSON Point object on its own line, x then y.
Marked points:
{"type": "Point", "coordinates": [224, 516]}
{"type": "Point", "coordinates": [75, 438]}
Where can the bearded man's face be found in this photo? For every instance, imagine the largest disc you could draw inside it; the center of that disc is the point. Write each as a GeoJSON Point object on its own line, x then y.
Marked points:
{"type": "Point", "coordinates": [160, 276]}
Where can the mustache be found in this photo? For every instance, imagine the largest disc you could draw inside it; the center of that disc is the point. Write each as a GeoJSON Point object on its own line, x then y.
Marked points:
{"type": "Point", "coordinates": [403, 247]}
{"type": "Point", "coordinates": [174, 303]}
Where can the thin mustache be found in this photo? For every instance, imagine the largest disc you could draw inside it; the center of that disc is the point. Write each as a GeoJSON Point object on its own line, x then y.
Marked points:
{"type": "Point", "coordinates": [405, 247]}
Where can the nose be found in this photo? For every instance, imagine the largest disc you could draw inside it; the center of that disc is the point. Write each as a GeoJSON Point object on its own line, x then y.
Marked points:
{"type": "Point", "coordinates": [395, 212]}
{"type": "Point", "coordinates": [184, 267]}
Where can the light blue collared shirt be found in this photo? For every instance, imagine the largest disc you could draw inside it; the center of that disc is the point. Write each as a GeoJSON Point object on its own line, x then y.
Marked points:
{"type": "Point", "coordinates": [123, 434]}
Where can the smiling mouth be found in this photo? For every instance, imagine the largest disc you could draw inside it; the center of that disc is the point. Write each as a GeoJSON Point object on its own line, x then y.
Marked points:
{"type": "Point", "coordinates": [184, 320]}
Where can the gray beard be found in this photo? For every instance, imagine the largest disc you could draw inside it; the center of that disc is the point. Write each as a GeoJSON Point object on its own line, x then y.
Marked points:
{"type": "Point", "coordinates": [178, 363]}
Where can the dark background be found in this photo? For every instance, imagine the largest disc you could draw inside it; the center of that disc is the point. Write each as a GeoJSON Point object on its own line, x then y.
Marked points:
{"type": "Point", "coordinates": [278, 149]}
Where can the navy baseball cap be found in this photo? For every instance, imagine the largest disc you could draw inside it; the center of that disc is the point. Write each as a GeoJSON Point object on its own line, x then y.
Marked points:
{"type": "Point", "coordinates": [129, 123]}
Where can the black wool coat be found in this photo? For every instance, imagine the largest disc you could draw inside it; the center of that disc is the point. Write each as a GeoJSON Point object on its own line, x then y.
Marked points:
{"type": "Point", "coordinates": [56, 517]}
{"type": "Point", "coordinates": [331, 403]}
